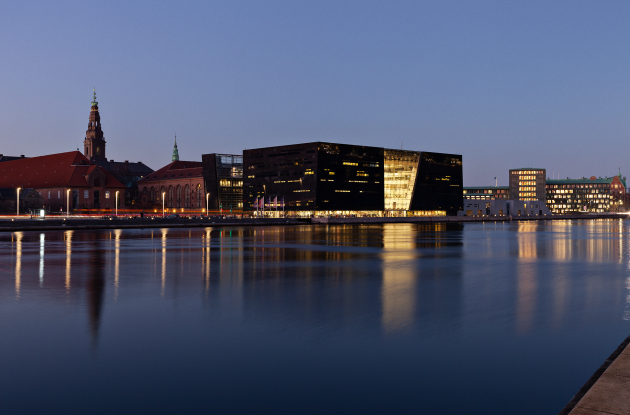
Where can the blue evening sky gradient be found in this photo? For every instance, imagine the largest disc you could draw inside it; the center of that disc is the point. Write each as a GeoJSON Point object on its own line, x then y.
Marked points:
{"type": "Point", "coordinates": [505, 84]}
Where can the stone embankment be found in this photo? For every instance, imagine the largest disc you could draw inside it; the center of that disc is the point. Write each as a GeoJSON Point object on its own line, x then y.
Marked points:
{"type": "Point", "coordinates": [331, 220]}
{"type": "Point", "coordinates": [9, 225]}
{"type": "Point", "coordinates": [608, 390]}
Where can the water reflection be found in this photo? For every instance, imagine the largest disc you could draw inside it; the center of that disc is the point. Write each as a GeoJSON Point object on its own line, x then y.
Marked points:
{"type": "Point", "coordinates": [18, 263]}
{"type": "Point", "coordinates": [399, 277]}
{"type": "Point", "coordinates": [42, 238]}
{"type": "Point", "coordinates": [68, 237]}
{"type": "Point", "coordinates": [420, 270]}
{"type": "Point", "coordinates": [96, 284]}
{"type": "Point", "coordinates": [117, 234]}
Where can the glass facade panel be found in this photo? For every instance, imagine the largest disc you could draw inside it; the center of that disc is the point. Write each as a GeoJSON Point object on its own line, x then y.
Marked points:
{"type": "Point", "coordinates": [401, 168]}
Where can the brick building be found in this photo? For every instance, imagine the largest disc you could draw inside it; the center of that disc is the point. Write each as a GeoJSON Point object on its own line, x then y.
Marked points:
{"type": "Point", "coordinates": [62, 178]}
{"type": "Point", "coordinates": [181, 183]}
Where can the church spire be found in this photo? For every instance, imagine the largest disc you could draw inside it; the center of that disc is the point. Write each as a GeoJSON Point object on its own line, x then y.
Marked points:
{"type": "Point", "coordinates": [175, 152]}
{"type": "Point", "coordinates": [94, 143]}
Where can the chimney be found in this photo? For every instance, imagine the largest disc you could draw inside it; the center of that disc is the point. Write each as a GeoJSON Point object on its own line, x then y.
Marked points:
{"type": "Point", "coordinates": [21, 156]}
{"type": "Point", "coordinates": [111, 161]}
{"type": "Point", "coordinates": [126, 161]}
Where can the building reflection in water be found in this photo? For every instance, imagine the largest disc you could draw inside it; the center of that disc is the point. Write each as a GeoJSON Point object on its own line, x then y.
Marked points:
{"type": "Point", "coordinates": [95, 284]}
{"type": "Point", "coordinates": [546, 253]}
{"type": "Point", "coordinates": [398, 293]}
{"type": "Point", "coordinates": [526, 275]}
{"type": "Point", "coordinates": [18, 263]}
{"type": "Point", "coordinates": [422, 280]}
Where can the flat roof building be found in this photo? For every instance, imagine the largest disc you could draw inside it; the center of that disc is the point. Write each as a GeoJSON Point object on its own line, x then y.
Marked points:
{"type": "Point", "coordinates": [579, 195]}
{"type": "Point", "coordinates": [486, 192]}
{"type": "Point", "coordinates": [527, 184]}
{"type": "Point", "coordinates": [326, 178]}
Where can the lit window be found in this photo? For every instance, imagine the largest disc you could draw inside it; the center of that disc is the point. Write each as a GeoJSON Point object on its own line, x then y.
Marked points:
{"type": "Point", "coordinates": [107, 194]}
{"type": "Point", "coordinates": [86, 194]}
{"type": "Point", "coordinates": [342, 191]}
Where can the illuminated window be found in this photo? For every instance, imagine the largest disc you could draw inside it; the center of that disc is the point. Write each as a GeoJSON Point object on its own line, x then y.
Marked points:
{"type": "Point", "coordinates": [107, 194]}
{"type": "Point", "coordinates": [86, 194]}
{"type": "Point", "coordinates": [349, 163]}
{"type": "Point", "coordinates": [342, 191]}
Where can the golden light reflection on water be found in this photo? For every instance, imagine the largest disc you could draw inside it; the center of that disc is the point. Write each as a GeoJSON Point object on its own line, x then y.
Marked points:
{"type": "Point", "coordinates": [68, 238]}
{"type": "Point", "coordinates": [18, 263]}
{"type": "Point", "coordinates": [205, 262]}
{"type": "Point", "coordinates": [117, 233]}
{"type": "Point", "coordinates": [398, 292]}
{"type": "Point", "coordinates": [164, 232]}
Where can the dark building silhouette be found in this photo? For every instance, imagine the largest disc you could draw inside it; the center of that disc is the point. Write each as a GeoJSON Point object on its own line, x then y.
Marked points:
{"type": "Point", "coordinates": [328, 178]}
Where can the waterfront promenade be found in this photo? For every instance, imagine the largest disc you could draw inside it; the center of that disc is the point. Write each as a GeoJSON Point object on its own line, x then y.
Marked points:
{"type": "Point", "coordinates": [608, 390]}
{"type": "Point", "coordinates": [60, 223]}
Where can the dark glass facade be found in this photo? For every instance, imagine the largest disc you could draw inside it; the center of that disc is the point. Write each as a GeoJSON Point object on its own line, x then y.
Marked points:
{"type": "Point", "coordinates": [223, 177]}
{"type": "Point", "coordinates": [328, 177]}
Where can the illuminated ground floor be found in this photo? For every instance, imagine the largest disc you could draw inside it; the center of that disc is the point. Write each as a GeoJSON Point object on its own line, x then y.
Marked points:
{"type": "Point", "coordinates": [346, 213]}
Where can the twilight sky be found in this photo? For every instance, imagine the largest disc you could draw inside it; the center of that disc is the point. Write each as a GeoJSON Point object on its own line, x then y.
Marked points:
{"type": "Point", "coordinates": [505, 84]}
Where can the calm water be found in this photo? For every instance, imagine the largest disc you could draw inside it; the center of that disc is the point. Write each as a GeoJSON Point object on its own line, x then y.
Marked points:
{"type": "Point", "coordinates": [476, 318]}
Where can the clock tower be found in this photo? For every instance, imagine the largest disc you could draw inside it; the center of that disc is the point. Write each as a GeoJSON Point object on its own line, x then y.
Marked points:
{"type": "Point", "coordinates": [94, 143]}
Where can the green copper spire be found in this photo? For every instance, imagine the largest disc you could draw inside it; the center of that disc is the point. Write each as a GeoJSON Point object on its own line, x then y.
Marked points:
{"type": "Point", "coordinates": [94, 100]}
{"type": "Point", "coordinates": [175, 152]}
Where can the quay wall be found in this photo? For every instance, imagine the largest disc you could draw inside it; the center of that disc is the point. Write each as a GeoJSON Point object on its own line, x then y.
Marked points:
{"type": "Point", "coordinates": [86, 224]}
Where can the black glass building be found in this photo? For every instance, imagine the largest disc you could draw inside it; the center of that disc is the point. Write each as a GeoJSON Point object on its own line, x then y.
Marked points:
{"type": "Point", "coordinates": [223, 177]}
{"type": "Point", "coordinates": [327, 178]}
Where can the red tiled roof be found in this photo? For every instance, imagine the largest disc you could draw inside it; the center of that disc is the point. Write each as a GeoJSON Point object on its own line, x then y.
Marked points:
{"type": "Point", "coordinates": [54, 170]}
{"type": "Point", "coordinates": [176, 170]}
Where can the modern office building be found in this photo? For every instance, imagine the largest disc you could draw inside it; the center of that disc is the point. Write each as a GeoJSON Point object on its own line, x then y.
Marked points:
{"type": "Point", "coordinates": [223, 177]}
{"type": "Point", "coordinates": [326, 178]}
{"type": "Point", "coordinates": [579, 195]}
{"type": "Point", "coordinates": [527, 184]}
{"type": "Point", "coordinates": [486, 193]}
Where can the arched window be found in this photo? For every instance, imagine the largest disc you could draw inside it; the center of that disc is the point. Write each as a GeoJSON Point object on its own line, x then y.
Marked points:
{"type": "Point", "coordinates": [198, 195]}
{"type": "Point", "coordinates": [187, 196]}
{"type": "Point", "coordinates": [179, 196]}
{"type": "Point", "coordinates": [170, 196]}
{"type": "Point", "coordinates": [152, 194]}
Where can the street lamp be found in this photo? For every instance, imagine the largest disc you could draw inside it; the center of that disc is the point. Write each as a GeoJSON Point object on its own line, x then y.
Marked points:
{"type": "Point", "coordinates": [207, 196]}
{"type": "Point", "coordinates": [163, 194]}
{"type": "Point", "coordinates": [18, 201]}
{"type": "Point", "coordinates": [68, 203]}
{"type": "Point", "coordinates": [117, 202]}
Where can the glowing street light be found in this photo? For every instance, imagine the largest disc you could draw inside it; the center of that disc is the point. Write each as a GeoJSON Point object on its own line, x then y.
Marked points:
{"type": "Point", "coordinates": [18, 201]}
{"type": "Point", "coordinates": [117, 202]}
{"type": "Point", "coordinates": [207, 196]}
{"type": "Point", "coordinates": [163, 194]}
{"type": "Point", "coordinates": [68, 203]}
